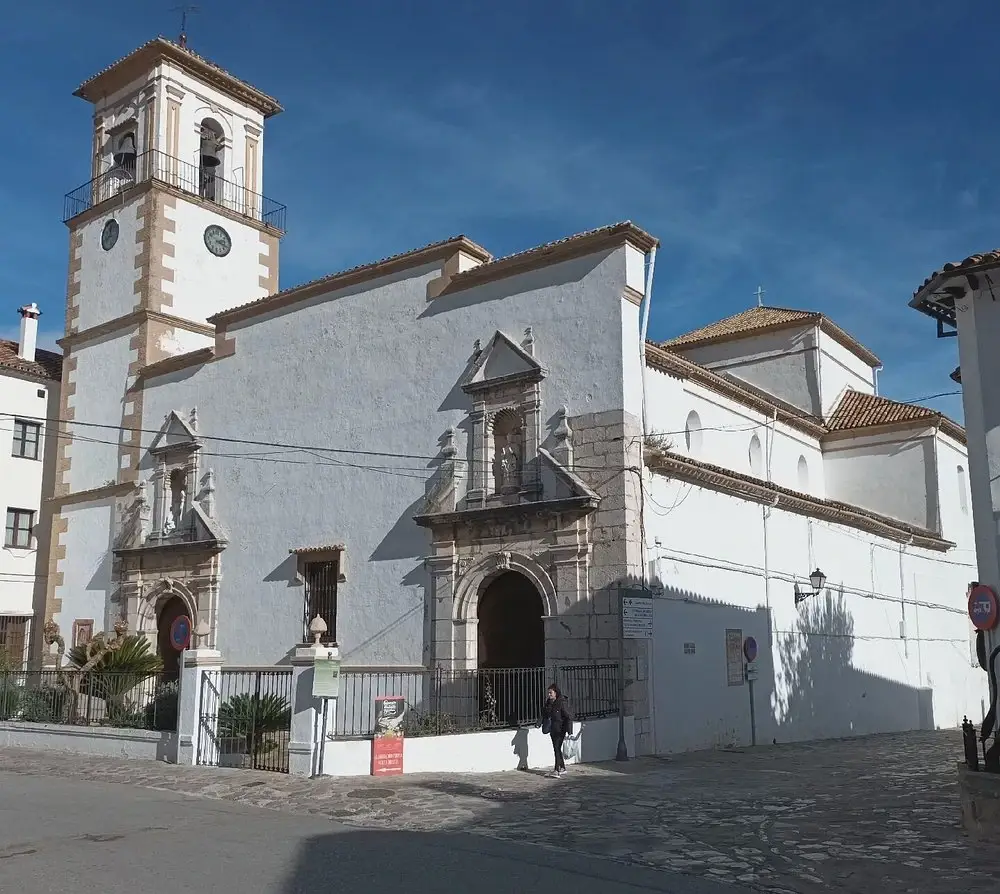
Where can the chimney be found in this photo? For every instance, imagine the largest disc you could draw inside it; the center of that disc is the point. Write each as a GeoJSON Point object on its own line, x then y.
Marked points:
{"type": "Point", "coordinates": [29, 331]}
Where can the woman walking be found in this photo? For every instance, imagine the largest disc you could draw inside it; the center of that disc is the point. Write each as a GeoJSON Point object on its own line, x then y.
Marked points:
{"type": "Point", "coordinates": [558, 723]}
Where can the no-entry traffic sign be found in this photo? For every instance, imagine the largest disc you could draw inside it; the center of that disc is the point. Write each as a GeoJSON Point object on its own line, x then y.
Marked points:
{"type": "Point", "coordinates": [983, 607]}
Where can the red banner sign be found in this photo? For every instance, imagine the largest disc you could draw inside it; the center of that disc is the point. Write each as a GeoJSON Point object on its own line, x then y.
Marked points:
{"type": "Point", "coordinates": [387, 742]}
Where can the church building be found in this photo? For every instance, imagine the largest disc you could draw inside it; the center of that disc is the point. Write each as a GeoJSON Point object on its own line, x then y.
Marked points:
{"type": "Point", "coordinates": [462, 461]}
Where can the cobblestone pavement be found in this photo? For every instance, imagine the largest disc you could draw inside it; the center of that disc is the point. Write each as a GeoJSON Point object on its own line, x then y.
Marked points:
{"type": "Point", "coordinates": [875, 813]}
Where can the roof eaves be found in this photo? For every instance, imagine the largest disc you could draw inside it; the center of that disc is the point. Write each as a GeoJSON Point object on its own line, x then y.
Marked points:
{"type": "Point", "coordinates": [746, 486]}
{"type": "Point", "coordinates": [565, 249]}
{"type": "Point", "coordinates": [162, 48]}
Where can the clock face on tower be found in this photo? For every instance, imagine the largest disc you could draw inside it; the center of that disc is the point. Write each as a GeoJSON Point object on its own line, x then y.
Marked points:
{"type": "Point", "coordinates": [217, 240]}
{"type": "Point", "coordinates": [109, 235]}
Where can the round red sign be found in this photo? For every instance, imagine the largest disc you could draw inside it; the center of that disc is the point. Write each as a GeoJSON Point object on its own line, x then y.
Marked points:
{"type": "Point", "coordinates": [983, 609]}
{"type": "Point", "coordinates": [180, 632]}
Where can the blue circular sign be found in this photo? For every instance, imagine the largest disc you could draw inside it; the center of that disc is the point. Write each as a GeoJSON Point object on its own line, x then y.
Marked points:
{"type": "Point", "coordinates": [180, 632]}
{"type": "Point", "coordinates": [750, 648]}
{"type": "Point", "coordinates": [983, 608]}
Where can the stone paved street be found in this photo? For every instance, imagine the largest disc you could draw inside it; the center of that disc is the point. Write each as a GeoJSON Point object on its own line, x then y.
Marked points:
{"type": "Point", "coordinates": [877, 813]}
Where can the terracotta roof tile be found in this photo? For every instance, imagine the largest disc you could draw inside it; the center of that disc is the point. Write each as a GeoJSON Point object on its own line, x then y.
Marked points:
{"type": "Point", "coordinates": [328, 548]}
{"type": "Point", "coordinates": [936, 298]}
{"type": "Point", "coordinates": [160, 47]}
{"type": "Point", "coordinates": [860, 410]}
{"type": "Point", "coordinates": [762, 319]}
{"type": "Point", "coordinates": [46, 365]}
{"type": "Point", "coordinates": [747, 486]}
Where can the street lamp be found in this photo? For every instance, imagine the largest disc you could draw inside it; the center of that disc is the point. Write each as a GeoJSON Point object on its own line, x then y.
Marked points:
{"type": "Point", "coordinates": [816, 581]}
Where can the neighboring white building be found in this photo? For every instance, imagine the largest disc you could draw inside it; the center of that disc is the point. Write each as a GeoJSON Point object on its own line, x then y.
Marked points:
{"type": "Point", "coordinates": [442, 453]}
{"type": "Point", "coordinates": [29, 398]}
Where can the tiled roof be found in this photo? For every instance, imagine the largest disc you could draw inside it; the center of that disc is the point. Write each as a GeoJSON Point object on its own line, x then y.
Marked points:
{"type": "Point", "coordinates": [94, 88]}
{"type": "Point", "coordinates": [552, 252]}
{"type": "Point", "coordinates": [860, 410]}
{"type": "Point", "coordinates": [762, 319]}
{"type": "Point", "coordinates": [748, 487]}
{"type": "Point", "coordinates": [329, 548]}
{"type": "Point", "coordinates": [936, 298]}
{"type": "Point", "coordinates": [46, 365]}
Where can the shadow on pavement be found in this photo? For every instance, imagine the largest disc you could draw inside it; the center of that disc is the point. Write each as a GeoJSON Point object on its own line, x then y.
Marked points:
{"type": "Point", "coordinates": [445, 863]}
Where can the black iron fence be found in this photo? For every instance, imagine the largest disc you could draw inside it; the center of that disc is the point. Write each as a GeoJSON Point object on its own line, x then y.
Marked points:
{"type": "Point", "coordinates": [245, 719]}
{"type": "Point", "coordinates": [441, 701]}
{"type": "Point", "coordinates": [182, 175]}
{"type": "Point", "coordinates": [129, 700]}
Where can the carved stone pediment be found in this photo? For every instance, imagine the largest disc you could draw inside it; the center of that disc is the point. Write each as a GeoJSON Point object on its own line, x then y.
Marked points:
{"type": "Point", "coordinates": [503, 362]}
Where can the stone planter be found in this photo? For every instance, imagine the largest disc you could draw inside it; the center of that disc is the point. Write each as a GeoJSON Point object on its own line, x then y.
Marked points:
{"type": "Point", "coordinates": [980, 799]}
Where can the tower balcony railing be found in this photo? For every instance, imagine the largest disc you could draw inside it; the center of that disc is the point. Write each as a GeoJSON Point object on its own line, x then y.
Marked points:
{"type": "Point", "coordinates": [182, 175]}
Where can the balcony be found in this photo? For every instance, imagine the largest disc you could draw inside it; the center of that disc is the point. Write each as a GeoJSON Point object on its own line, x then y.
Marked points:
{"type": "Point", "coordinates": [182, 175]}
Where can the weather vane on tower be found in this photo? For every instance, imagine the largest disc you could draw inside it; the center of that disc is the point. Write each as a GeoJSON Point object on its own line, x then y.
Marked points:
{"type": "Point", "coordinates": [184, 11]}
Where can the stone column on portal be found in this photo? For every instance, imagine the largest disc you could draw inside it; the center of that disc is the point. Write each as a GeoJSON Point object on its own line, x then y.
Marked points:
{"type": "Point", "coordinates": [978, 315]}
{"type": "Point", "coordinates": [442, 599]}
{"type": "Point", "coordinates": [198, 703]}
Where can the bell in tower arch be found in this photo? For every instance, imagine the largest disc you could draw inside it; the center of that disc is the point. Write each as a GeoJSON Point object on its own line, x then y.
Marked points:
{"type": "Point", "coordinates": [124, 153]}
{"type": "Point", "coordinates": [209, 150]}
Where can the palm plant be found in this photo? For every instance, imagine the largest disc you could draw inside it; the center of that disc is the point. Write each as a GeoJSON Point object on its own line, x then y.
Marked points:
{"type": "Point", "coordinates": [116, 673]}
{"type": "Point", "coordinates": [250, 718]}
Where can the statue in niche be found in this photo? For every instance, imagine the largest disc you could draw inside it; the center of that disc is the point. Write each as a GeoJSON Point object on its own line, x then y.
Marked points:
{"type": "Point", "coordinates": [178, 489]}
{"type": "Point", "coordinates": [508, 432]}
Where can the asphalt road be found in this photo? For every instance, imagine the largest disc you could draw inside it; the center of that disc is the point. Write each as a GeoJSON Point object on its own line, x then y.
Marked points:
{"type": "Point", "coordinates": [61, 835]}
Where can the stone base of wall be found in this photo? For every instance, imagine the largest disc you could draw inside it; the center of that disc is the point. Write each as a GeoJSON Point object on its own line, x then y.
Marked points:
{"type": "Point", "coordinates": [138, 744]}
{"type": "Point", "coordinates": [980, 800]}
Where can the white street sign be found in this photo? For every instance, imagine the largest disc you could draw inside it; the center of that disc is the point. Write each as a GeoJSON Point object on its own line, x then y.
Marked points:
{"type": "Point", "coordinates": [637, 617]}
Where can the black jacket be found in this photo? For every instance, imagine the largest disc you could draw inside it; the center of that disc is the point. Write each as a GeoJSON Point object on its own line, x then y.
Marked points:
{"type": "Point", "coordinates": [558, 715]}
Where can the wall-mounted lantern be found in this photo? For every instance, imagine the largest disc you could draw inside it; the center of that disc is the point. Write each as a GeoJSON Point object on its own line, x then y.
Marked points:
{"type": "Point", "coordinates": [817, 581]}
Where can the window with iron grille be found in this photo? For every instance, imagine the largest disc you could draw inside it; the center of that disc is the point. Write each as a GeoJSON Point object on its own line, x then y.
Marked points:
{"type": "Point", "coordinates": [19, 525]}
{"type": "Point", "coordinates": [321, 597]}
{"type": "Point", "coordinates": [13, 638]}
{"type": "Point", "coordinates": [27, 436]}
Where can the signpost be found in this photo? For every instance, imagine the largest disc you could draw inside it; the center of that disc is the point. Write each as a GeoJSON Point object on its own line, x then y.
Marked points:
{"type": "Point", "coordinates": [180, 632]}
{"type": "Point", "coordinates": [983, 608]}
{"type": "Point", "coordinates": [387, 743]}
{"type": "Point", "coordinates": [326, 677]}
{"type": "Point", "coordinates": [637, 617]}
{"type": "Point", "coordinates": [734, 656]}
{"type": "Point", "coordinates": [635, 621]}
{"type": "Point", "coordinates": [750, 652]}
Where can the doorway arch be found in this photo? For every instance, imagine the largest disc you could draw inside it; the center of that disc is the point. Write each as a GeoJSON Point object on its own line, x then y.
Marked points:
{"type": "Point", "coordinates": [511, 651]}
{"type": "Point", "coordinates": [511, 630]}
{"type": "Point", "coordinates": [172, 609]}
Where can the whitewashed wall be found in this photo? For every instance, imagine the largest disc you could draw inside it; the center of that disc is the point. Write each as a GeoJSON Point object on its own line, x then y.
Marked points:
{"type": "Point", "coordinates": [892, 473]}
{"type": "Point", "coordinates": [107, 278]}
{"type": "Point", "coordinates": [22, 480]}
{"type": "Point", "coordinates": [374, 368]}
{"type": "Point", "coordinates": [840, 369]}
{"type": "Point", "coordinates": [783, 363]}
{"type": "Point", "coordinates": [721, 431]}
{"type": "Point", "coordinates": [203, 284]}
{"type": "Point", "coordinates": [834, 666]}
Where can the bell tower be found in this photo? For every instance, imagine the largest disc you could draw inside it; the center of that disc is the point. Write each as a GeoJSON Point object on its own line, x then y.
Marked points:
{"type": "Point", "coordinates": [171, 227]}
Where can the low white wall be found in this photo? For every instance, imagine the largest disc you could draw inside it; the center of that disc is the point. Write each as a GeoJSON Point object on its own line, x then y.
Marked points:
{"type": "Point", "coordinates": [138, 744]}
{"type": "Point", "coordinates": [527, 748]}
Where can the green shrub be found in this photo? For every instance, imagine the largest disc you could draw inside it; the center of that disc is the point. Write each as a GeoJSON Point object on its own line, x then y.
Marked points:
{"type": "Point", "coordinates": [44, 705]}
{"type": "Point", "coordinates": [161, 712]}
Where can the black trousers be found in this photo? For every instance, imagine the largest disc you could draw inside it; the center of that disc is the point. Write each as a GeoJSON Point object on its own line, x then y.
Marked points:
{"type": "Point", "coordinates": [557, 744]}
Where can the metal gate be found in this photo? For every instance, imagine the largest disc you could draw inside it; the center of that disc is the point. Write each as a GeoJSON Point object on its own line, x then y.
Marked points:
{"type": "Point", "coordinates": [245, 719]}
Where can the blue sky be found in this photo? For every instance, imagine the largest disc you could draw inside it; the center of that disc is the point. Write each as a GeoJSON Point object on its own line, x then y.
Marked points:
{"type": "Point", "coordinates": [834, 153]}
